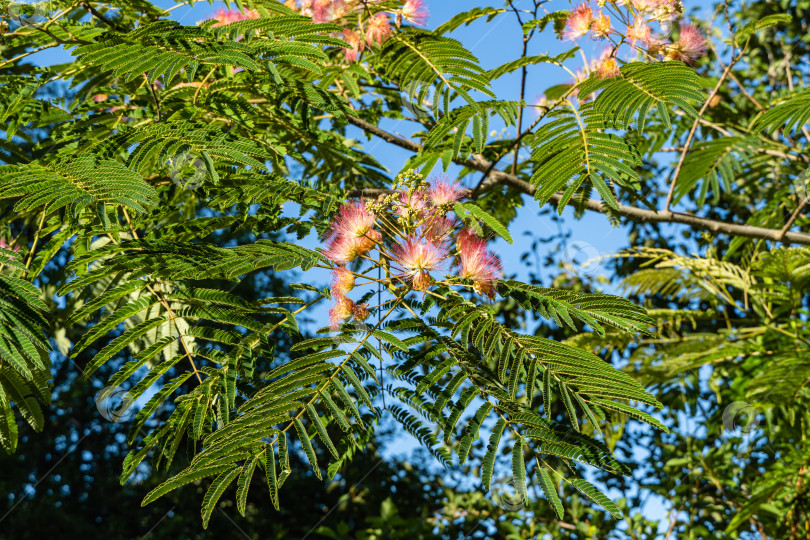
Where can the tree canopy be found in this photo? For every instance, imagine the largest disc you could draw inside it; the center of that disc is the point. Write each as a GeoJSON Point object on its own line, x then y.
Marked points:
{"type": "Point", "coordinates": [168, 194]}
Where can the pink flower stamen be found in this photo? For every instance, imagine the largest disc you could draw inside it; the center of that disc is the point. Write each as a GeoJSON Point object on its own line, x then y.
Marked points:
{"type": "Point", "coordinates": [691, 44]}
{"type": "Point", "coordinates": [354, 220]}
{"type": "Point", "coordinates": [378, 28]}
{"type": "Point", "coordinates": [442, 192]}
{"type": "Point", "coordinates": [341, 311]}
{"type": "Point", "coordinates": [579, 22]}
{"type": "Point", "coordinates": [342, 281]}
{"type": "Point", "coordinates": [416, 258]}
{"type": "Point", "coordinates": [357, 44]}
{"type": "Point", "coordinates": [415, 12]}
{"type": "Point", "coordinates": [477, 264]}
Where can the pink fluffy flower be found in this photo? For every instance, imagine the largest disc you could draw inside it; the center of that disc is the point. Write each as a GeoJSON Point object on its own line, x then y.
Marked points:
{"type": "Point", "coordinates": [353, 233]}
{"type": "Point", "coordinates": [661, 10]}
{"type": "Point", "coordinates": [326, 10]}
{"type": "Point", "coordinates": [413, 204]}
{"type": "Point", "coordinates": [344, 249]}
{"type": "Point", "coordinates": [417, 258]}
{"type": "Point", "coordinates": [5, 245]}
{"type": "Point", "coordinates": [436, 228]}
{"type": "Point", "coordinates": [342, 281]}
{"type": "Point", "coordinates": [305, 7]}
{"type": "Point", "coordinates": [481, 266]}
{"type": "Point", "coordinates": [579, 22]}
{"type": "Point", "coordinates": [465, 238]}
{"type": "Point", "coordinates": [541, 103]}
{"type": "Point", "coordinates": [442, 192]}
{"type": "Point", "coordinates": [224, 16]}
{"type": "Point", "coordinates": [415, 12]}
{"type": "Point", "coordinates": [357, 44]}
{"type": "Point", "coordinates": [378, 28]}
{"type": "Point", "coordinates": [691, 44]}
{"type": "Point", "coordinates": [667, 10]}
{"type": "Point", "coordinates": [360, 312]}
{"type": "Point", "coordinates": [639, 31]}
{"type": "Point", "coordinates": [608, 68]}
{"type": "Point", "coordinates": [601, 26]}
{"type": "Point", "coordinates": [354, 220]}
{"type": "Point", "coordinates": [645, 5]}
{"type": "Point", "coordinates": [416, 254]}
{"type": "Point", "coordinates": [341, 311]}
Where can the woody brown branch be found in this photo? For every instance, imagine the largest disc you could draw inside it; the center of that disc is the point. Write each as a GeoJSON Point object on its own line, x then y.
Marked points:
{"type": "Point", "coordinates": [632, 213]}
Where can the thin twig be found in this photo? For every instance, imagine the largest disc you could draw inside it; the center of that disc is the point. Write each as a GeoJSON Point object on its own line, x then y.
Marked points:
{"type": "Point", "coordinates": [102, 18]}
{"type": "Point", "coordinates": [36, 239]}
{"type": "Point", "coordinates": [154, 96]}
{"type": "Point", "coordinates": [692, 131]}
{"type": "Point", "coordinates": [168, 308]}
{"type": "Point", "coordinates": [793, 217]}
{"type": "Point", "coordinates": [524, 74]}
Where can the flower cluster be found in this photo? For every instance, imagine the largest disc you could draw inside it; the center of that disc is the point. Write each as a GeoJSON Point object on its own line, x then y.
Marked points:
{"type": "Point", "coordinates": [632, 22]}
{"type": "Point", "coordinates": [413, 236]}
{"type": "Point", "coordinates": [363, 25]}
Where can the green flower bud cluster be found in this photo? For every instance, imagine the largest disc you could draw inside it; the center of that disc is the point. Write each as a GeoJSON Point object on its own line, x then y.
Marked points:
{"type": "Point", "coordinates": [411, 180]}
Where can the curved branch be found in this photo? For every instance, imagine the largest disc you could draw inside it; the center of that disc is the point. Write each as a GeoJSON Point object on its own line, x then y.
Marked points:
{"type": "Point", "coordinates": [640, 215]}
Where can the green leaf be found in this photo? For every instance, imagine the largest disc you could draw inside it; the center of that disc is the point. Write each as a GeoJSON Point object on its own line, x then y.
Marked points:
{"type": "Point", "coordinates": [519, 470]}
{"type": "Point", "coordinates": [765, 22]}
{"type": "Point", "coordinates": [212, 496]}
{"type": "Point", "coordinates": [283, 458]}
{"type": "Point", "coordinates": [488, 463]}
{"type": "Point", "coordinates": [187, 476]}
{"type": "Point", "coordinates": [321, 429]}
{"type": "Point", "coordinates": [467, 17]}
{"type": "Point", "coordinates": [590, 491]}
{"type": "Point", "coordinates": [390, 338]}
{"type": "Point", "coordinates": [550, 491]}
{"type": "Point", "coordinates": [485, 217]}
{"type": "Point", "coordinates": [80, 182]}
{"type": "Point", "coordinates": [243, 484]}
{"type": "Point", "coordinates": [307, 445]}
{"type": "Point", "coordinates": [269, 461]}
{"type": "Point", "coordinates": [547, 391]}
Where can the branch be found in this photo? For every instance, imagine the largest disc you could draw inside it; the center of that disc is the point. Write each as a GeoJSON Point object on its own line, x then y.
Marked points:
{"type": "Point", "coordinates": [640, 215]}
{"type": "Point", "coordinates": [793, 217]}
{"type": "Point", "coordinates": [102, 18]}
{"type": "Point", "coordinates": [524, 74]}
{"type": "Point", "coordinates": [169, 311]}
